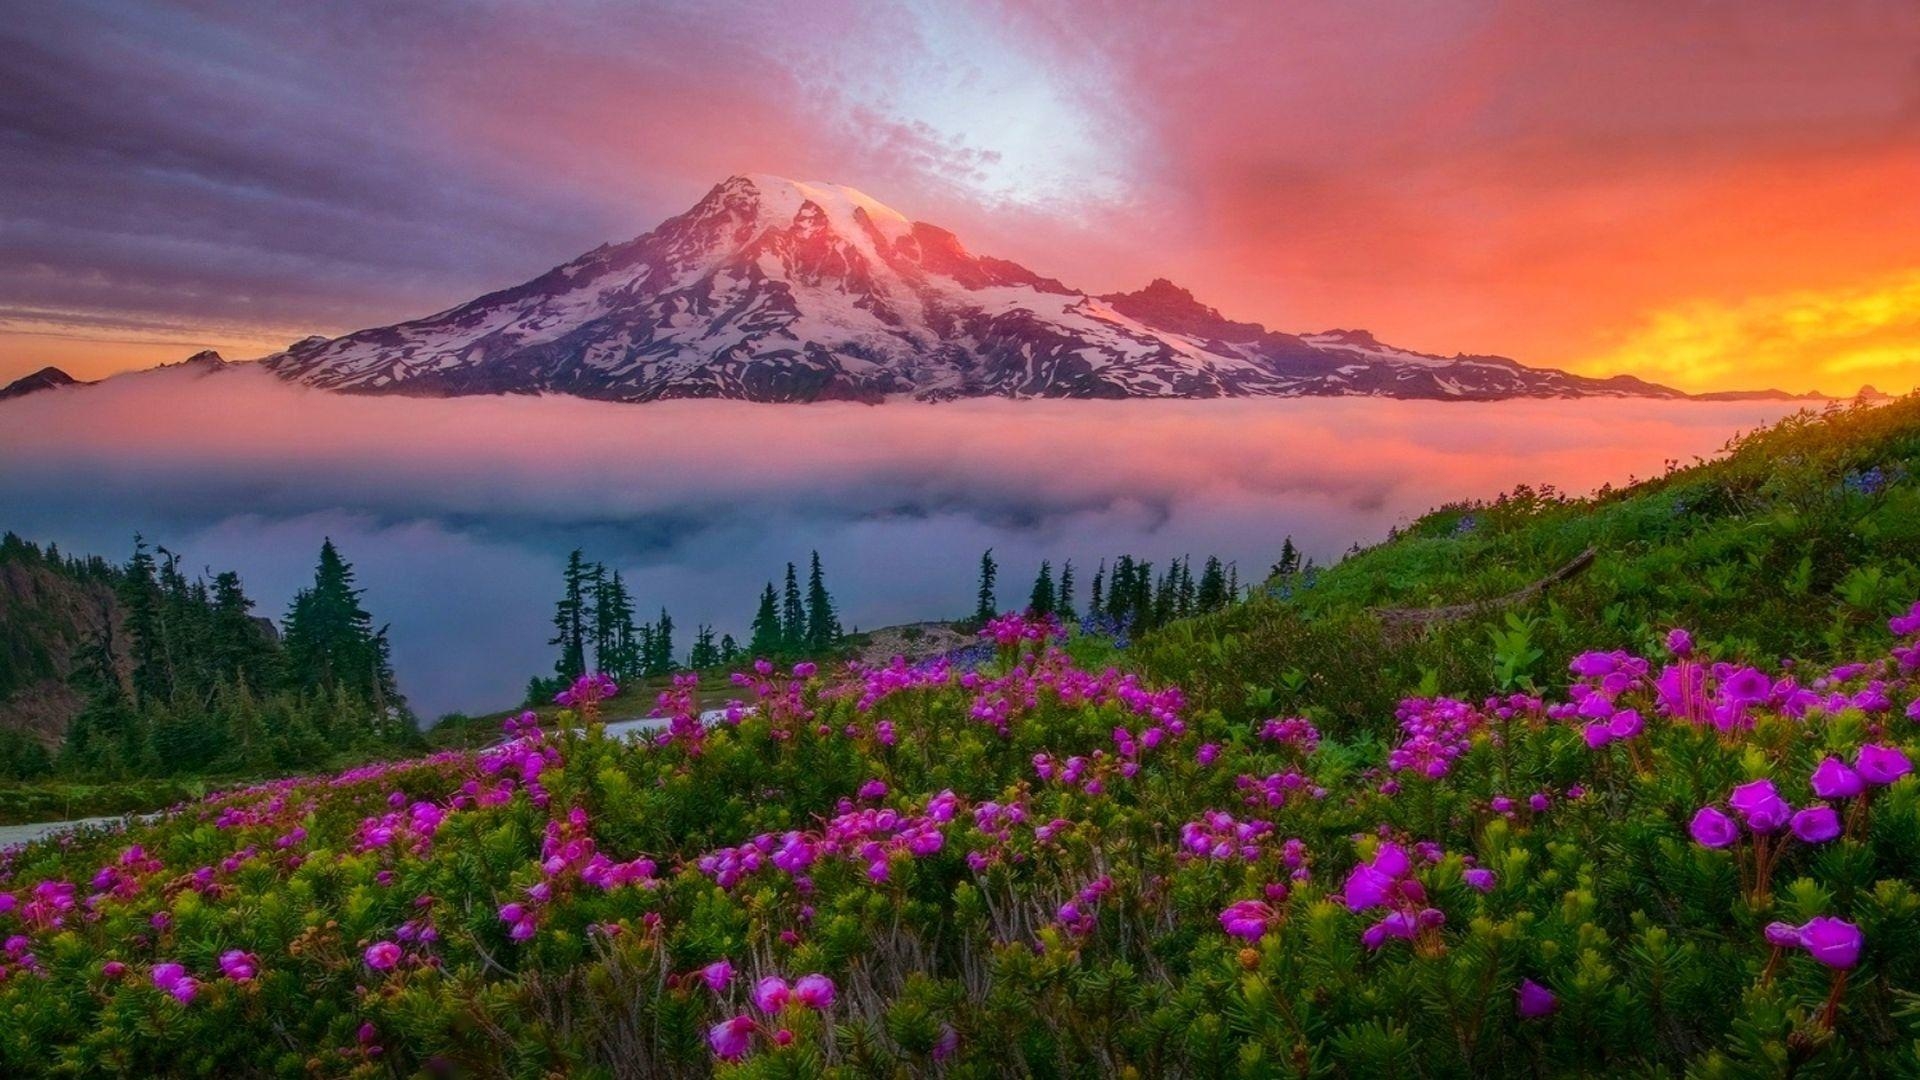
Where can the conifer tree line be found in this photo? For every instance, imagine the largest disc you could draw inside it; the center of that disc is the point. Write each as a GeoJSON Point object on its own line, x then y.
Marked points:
{"type": "Point", "coordinates": [1126, 591]}
{"type": "Point", "coordinates": [594, 628]}
{"type": "Point", "coordinates": [182, 677]}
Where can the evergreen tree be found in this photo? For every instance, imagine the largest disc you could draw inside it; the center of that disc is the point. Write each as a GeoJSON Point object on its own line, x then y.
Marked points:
{"type": "Point", "coordinates": [660, 658]}
{"type": "Point", "coordinates": [1063, 602]}
{"type": "Point", "coordinates": [330, 639]}
{"type": "Point", "coordinates": [768, 638]}
{"type": "Point", "coordinates": [600, 628]}
{"type": "Point", "coordinates": [570, 621]}
{"type": "Point", "coordinates": [1184, 595]}
{"type": "Point", "coordinates": [238, 649]}
{"type": "Point", "coordinates": [729, 650]}
{"type": "Point", "coordinates": [139, 595]}
{"type": "Point", "coordinates": [823, 625]}
{"type": "Point", "coordinates": [1233, 583]}
{"type": "Point", "coordinates": [1096, 606]}
{"type": "Point", "coordinates": [793, 616]}
{"type": "Point", "coordinates": [985, 607]}
{"type": "Point", "coordinates": [705, 653]}
{"type": "Point", "coordinates": [1040, 601]}
{"type": "Point", "coordinates": [1289, 563]}
{"type": "Point", "coordinates": [623, 658]}
{"type": "Point", "coordinates": [1212, 594]}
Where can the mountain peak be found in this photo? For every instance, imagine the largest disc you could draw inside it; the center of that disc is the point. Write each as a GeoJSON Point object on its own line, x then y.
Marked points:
{"type": "Point", "coordinates": [47, 378]}
{"type": "Point", "coordinates": [1163, 305]}
{"type": "Point", "coordinates": [775, 289]}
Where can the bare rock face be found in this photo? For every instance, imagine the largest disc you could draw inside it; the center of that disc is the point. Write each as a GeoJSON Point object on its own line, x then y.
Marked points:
{"type": "Point", "coordinates": [771, 289]}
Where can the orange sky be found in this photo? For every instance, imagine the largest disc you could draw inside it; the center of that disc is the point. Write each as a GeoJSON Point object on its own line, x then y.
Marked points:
{"type": "Point", "coordinates": [1709, 195]}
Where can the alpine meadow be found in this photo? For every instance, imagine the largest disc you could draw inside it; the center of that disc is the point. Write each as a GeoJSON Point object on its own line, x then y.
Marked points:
{"type": "Point", "coordinates": [1368, 541]}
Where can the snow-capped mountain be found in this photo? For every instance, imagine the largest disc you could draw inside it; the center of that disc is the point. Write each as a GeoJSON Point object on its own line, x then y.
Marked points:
{"type": "Point", "coordinates": [776, 290]}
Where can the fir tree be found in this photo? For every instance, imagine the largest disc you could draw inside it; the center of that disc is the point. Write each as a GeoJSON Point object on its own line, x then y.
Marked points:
{"type": "Point", "coordinates": [823, 625]}
{"type": "Point", "coordinates": [1212, 593]}
{"type": "Point", "coordinates": [570, 621]}
{"type": "Point", "coordinates": [768, 638]}
{"type": "Point", "coordinates": [1041, 600]}
{"type": "Point", "coordinates": [622, 659]}
{"type": "Point", "coordinates": [729, 650]}
{"type": "Point", "coordinates": [985, 607]}
{"type": "Point", "coordinates": [660, 657]}
{"type": "Point", "coordinates": [793, 616]}
{"type": "Point", "coordinates": [330, 639]}
{"type": "Point", "coordinates": [600, 628]}
{"type": "Point", "coordinates": [705, 653]}
{"type": "Point", "coordinates": [1063, 602]}
{"type": "Point", "coordinates": [1096, 605]}
{"type": "Point", "coordinates": [1289, 563]}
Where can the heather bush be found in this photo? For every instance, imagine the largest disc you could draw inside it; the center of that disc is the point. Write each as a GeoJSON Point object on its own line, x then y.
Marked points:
{"type": "Point", "coordinates": [1674, 862]}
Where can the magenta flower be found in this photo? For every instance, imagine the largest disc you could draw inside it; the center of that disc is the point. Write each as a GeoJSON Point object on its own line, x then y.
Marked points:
{"type": "Point", "coordinates": [238, 965]}
{"type": "Point", "coordinates": [731, 1039]}
{"type": "Point", "coordinates": [1833, 779]}
{"type": "Point", "coordinates": [814, 991]}
{"type": "Point", "coordinates": [1247, 919]}
{"type": "Point", "coordinates": [1783, 935]}
{"type": "Point", "coordinates": [383, 955]}
{"type": "Point", "coordinates": [717, 975]}
{"type": "Point", "coordinates": [1906, 625]}
{"type": "Point", "coordinates": [873, 789]}
{"type": "Point", "coordinates": [1711, 828]}
{"type": "Point", "coordinates": [1760, 803]}
{"type": "Point", "coordinates": [1534, 1001]}
{"type": "Point", "coordinates": [1679, 643]}
{"type": "Point", "coordinates": [1881, 764]}
{"type": "Point", "coordinates": [1833, 942]}
{"type": "Point", "coordinates": [770, 994]}
{"type": "Point", "coordinates": [1816, 824]}
{"type": "Point", "coordinates": [173, 979]}
{"type": "Point", "coordinates": [1366, 887]}
{"type": "Point", "coordinates": [1479, 878]}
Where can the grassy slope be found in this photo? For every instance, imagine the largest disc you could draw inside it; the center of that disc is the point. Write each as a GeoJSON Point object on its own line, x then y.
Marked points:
{"type": "Point", "coordinates": [1768, 551]}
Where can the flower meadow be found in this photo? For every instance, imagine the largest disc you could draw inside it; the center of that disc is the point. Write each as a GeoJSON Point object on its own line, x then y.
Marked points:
{"type": "Point", "coordinates": [1675, 863]}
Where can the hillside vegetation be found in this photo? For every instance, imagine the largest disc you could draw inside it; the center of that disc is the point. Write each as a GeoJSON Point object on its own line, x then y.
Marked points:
{"type": "Point", "coordinates": [1659, 821]}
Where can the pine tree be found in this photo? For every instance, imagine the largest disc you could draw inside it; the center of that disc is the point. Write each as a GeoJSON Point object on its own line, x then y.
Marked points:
{"type": "Point", "coordinates": [768, 639]}
{"type": "Point", "coordinates": [705, 653]}
{"type": "Point", "coordinates": [1289, 563]}
{"type": "Point", "coordinates": [600, 621]}
{"type": "Point", "coordinates": [729, 650]}
{"type": "Point", "coordinates": [570, 621]}
{"type": "Point", "coordinates": [1063, 602]}
{"type": "Point", "coordinates": [793, 616]}
{"type": "Point", "coordinates": [985, 607]}
{"type": "Point", "coordinates": [1096, 606]}
{"type": "Point", "coordinates": [622, 659]}
{"type": "Point", "coordinates": [139, 595]}
{"type": "Point", "coordinates": [823, 625]}
{"type": "Point", "coordinates": [1212, 594]}
{"type": "Point", "coordinates": [1184, 594]}
{"type": "Point", "coordinates": [1040, 601]}
{"type": "Point", "coordinates": [1233, 583]}
{"type": "Point", "coordinates": [237, 648]}
{"type": "Point", "coordinates": [660, 659]}
{"type": "Point", "coordinates": [330, 639]}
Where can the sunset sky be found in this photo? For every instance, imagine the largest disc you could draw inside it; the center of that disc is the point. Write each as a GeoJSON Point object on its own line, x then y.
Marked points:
{"type": "Point", "coordinates": [1711, 195]}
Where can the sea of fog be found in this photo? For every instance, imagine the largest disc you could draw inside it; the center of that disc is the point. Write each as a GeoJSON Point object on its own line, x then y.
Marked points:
{"type": "Point", "coordinates": [458, 514]}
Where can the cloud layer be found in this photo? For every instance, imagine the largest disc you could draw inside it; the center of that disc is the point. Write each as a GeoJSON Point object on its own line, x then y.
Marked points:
{"type": "Point", "coordinates": [459, 513]}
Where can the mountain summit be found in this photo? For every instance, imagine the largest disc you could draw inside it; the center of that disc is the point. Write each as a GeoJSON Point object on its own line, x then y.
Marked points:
{"type": "Point", "coordinates": [771, 289]}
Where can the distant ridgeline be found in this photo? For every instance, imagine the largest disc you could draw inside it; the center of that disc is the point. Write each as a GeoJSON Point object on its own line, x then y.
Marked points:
{"type": "Point", "coordinates": [137, 670]}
